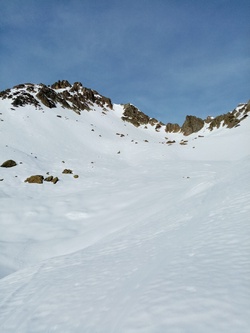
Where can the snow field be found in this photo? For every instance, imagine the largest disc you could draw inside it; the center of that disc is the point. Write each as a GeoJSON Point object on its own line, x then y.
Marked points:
{"type": "Point", "coordinates": [154, 239]}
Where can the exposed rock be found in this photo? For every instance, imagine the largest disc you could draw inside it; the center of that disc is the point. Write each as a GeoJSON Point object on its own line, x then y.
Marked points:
{"type": "Point", "coordinates": [19, 86]}
{"type": "Point", "coordinates": [153, 121]}
{"type": "Point", "coordinates": [134, 116]}
{"type": "Point", "coordinates": [24, 99]}
{"type": "Point", "coordinates": [247, 107]}
{"type": "Point", "coordinates": [38, 179]}
{"type": "Point", "coordinates": [208, 119]}
{"type": "Point", "coordinates": [76, 87]}
{"type": "Point", "coordinates": [191, 125]}
{"type": "Point", "coordinates": [172, 128]}
{"type": "Point", "coordinates": [104, 100]}
{"type": "Point", "coordinates": [55, 180]}
{"type": "Point", "coordinates": [67, 171]}
{"type": "Point", "coordinates": [88, 94]}
{"type": "Point", "coordinates": [49, 179]}
{"type": "Point", "coordinates": [8, 164]}
{"type": "Point", "coordinates": [229, 120]}
{"type": "Point", "coordinates": [76, 176]}
{"type": "Point", "coordinates": [47, 96]}
{"type": "Point", "coordinates": [158, 127]}
{"type": "Point", "coordinates": [61, 84]}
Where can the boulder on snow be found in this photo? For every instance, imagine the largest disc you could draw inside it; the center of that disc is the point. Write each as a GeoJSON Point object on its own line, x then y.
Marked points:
{"type": "Point", "coordinates": [49, 179]}
{"type": "Point", "coordinates": [37, 179]}
{"type": "Point", "coordinates": [55, 180]}
{"type": "Point", "coordinates": [8, 164]}
{"type": "Point", "coordinates": [69, 171]}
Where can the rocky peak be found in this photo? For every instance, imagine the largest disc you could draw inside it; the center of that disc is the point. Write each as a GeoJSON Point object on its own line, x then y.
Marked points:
{"type": "Point", "coordinates": [191, 125]}
{"type": "Point", "coordinates": [77, 86]}
{"type": "Point", "coordinates": [75, 97]}
{"type": "Point", "coordinates": [61, 84]}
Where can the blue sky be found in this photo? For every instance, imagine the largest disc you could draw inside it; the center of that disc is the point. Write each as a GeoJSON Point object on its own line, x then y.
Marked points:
{"type": "Point", "coordinates": [170, 58]}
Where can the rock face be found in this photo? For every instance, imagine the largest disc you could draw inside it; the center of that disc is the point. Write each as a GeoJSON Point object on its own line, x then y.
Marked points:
{"type": "Point", "coordinates": [172, 128]}
{"type": "Point", "coordinates": [48, 97]}
{"type": "Point", "coordinates": [134, 116]}
{"type": "Point", "coordinates": [228, 120]}
{"type": "Point", "coordinates": [248, 107]}
{"type": "Point", "coordinates": [8, 164]}
{"type": "Point", "coordinates": [191, 125]}
{"type": "Point", "coordinates": [24, 99]}
{"type": "Point", "coordinates": [61, 84]}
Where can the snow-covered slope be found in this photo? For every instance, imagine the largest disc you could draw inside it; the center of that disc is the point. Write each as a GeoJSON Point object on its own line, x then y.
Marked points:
{"type": "Point", "coordinates": [151, 237]}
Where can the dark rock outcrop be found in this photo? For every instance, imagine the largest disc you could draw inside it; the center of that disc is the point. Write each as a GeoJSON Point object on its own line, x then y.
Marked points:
{"type": "Point", "coordinates": [152, 121]}
{"type": "Point", "coordinates": [24, 99]}
{"type": "Point", "coordinates": [61, 84]}
{"type": "Point", "coordinates": [229, 120]}
{"type": "Point", "coordinates": [191, 125]}
{"type": "Point", "coordinates": [134, 116]}
{"type": "Point", "coordinates": [172, 128]}
{"type": "Point", "coordinates": [48, 97]}
{"type": "Point", "coordinates": [247, 109]}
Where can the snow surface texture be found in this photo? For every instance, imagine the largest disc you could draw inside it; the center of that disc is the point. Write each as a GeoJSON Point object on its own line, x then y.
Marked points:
{"type": "Point", "coordinates": [149, 238]}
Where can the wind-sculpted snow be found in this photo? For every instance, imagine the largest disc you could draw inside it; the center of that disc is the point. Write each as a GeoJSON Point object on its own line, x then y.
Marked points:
{"type": "Point", "coordinates": [150, 238]}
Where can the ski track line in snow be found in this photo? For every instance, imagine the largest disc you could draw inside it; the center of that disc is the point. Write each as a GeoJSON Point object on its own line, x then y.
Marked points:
{"type": "Point", "coordinates": [18, 297]}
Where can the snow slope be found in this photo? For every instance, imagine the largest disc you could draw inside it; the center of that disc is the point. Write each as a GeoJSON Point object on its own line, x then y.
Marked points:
{"type": "Point", "coordinates": [150, 237]}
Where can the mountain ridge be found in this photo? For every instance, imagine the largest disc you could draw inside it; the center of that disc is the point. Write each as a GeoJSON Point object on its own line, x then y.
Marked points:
{"type": "Point", "coordinates": [78, 98]}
